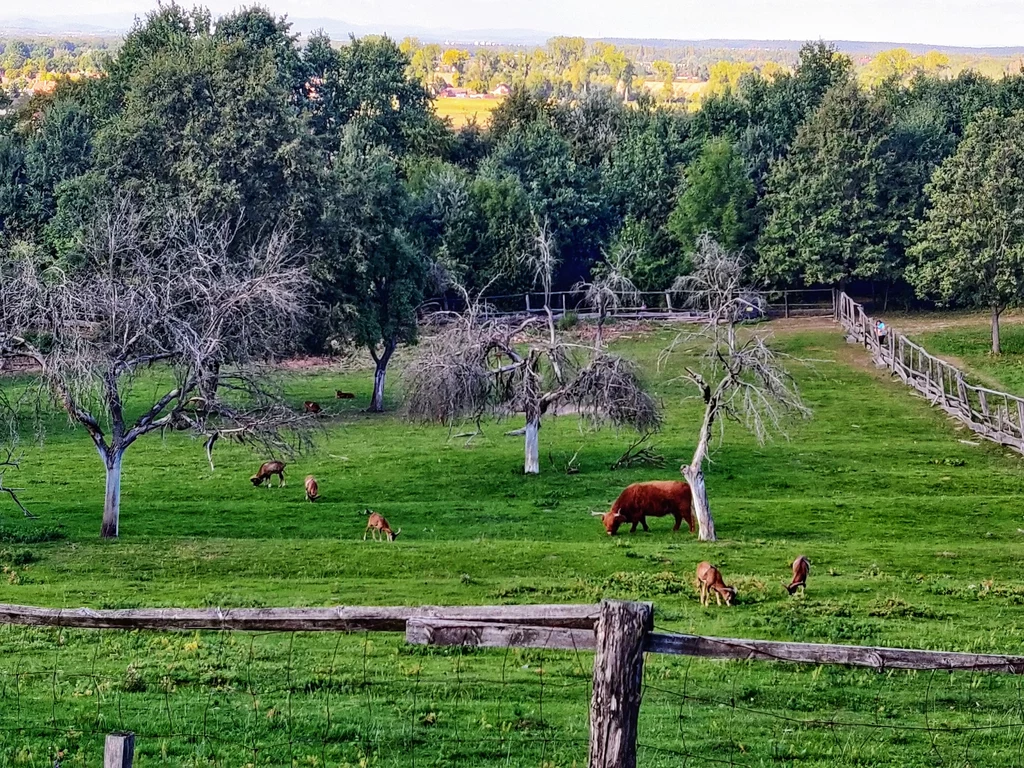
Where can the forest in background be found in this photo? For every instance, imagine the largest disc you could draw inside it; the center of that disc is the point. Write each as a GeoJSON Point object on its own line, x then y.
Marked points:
{"type": "Point", "coordinates": [819, 176]}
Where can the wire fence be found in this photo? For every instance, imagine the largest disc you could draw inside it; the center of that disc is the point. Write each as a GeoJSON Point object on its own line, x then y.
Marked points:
{"type": "Point", "coordinates": [286, 698]}
{"type": "Point", "coordinates": [532, 697]}
{"type": "Point", "coordinates": [698, 712]}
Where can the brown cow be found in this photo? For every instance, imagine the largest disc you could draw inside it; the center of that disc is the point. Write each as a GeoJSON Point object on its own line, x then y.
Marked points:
{"type": "Point", "coordinates": [343, 395]}
{"type": "Point", "coordinates": [312, 489]}
{"type": "Point", "coordinates": [801, 566]}
{"type": "Point", "coordinates": [266, 472]}
{"type": "Point", "coordinates": [380, 528]}
{"type": "Point", "coordinates": [657, 498]}
{"type": "Point", "coordinates": [310, 407]}
{"type": "Point", "coordinates": [709, 580]}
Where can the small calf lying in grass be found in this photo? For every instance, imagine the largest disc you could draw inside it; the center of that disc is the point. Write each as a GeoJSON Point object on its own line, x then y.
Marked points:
{"type": "Point", "coordinates": [379, 527]}
{"type": "Point", "coordinates": [344, 395]}
{"type": "Point", "coordinates": [266, 472]}
{"type": "Point", "coordinates": [801, 566]}
{"type": "Point", "coordinates": [310, 407]}
{"type": "Point", "coordinates": [312, 489]}
{"type": "Point", "coordinates": [709, 580]}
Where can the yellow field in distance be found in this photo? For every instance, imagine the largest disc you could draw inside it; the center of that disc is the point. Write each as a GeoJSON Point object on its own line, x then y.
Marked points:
{"type": "Point", "coordinates": [462, 111]}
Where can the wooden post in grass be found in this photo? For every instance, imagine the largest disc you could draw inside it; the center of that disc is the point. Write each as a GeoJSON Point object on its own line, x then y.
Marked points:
{"type": "Point", "coordinates": [119, 751]}
{"type": "Point", "coordinates": [622, 630]}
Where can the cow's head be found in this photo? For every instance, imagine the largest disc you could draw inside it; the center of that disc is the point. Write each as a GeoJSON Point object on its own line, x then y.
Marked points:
{"type": "Point", "coordinates": [729, 594]}
{"type": "Point", "coordinates": [392, 535]}
{"type": "Point", "coordinates": [612, 520]}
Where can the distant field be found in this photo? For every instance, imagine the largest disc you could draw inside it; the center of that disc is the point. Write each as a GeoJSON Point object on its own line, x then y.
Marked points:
{"type": "Point", "coordinates": [463, 111]}
{"type": "Point", "coordinates": [913, 536]}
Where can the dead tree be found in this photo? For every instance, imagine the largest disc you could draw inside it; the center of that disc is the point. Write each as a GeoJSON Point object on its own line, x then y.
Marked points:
{"type": "Point", "coordinates": [160, 290]}
{"type": "Point", "coordinates": [609, 288]}
{"type": "Point", "coordinates": [478, 363]}
{"type": "Point", "coordinates": [737, 373]}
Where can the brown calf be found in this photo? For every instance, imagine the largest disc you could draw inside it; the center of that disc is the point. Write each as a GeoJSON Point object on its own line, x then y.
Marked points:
{"type": "Point", "coordinates": [379, 527]}
{"type": "Point", "coordinates": [800, 568]}
{"type": "Point", "coordinates": [344, 395]}
{"type": "Point", "coordinates": [310, 407]}
{"type": "Point", "coordinates": [312, 489]}
{"type": "Point", "coordinates": [709, 580]}
{"type": "Point", "coordinates": [267, 470]}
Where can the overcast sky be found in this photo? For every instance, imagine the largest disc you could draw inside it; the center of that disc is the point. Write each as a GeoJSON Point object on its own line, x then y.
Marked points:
{"type": "Point", "coordinates": [945, 22]}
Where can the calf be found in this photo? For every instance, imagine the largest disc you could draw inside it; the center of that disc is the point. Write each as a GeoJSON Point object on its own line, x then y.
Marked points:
{"type": "Point", "coordinates": [657, 498]}
{"type": "Point", "coordinates": [310, 407]}
{"type": "Point", "coordinates": [800, 568]}
{"type": "Point", "coordinates": [312, 489]}
{"type": "Point", "coordinates": [266, 472]}
{"type": "Point", "coordinates": [344, 395]}
{"type": "Point", "coordinates": [709, 580]}
{"type": "Point", "coordinates": [379, 527]}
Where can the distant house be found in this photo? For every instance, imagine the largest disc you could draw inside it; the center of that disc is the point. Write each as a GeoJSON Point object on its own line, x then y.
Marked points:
{"type": "Point", "coordinates": [455, 93]}
{"type": "Point", "coordinates": [501, 90]}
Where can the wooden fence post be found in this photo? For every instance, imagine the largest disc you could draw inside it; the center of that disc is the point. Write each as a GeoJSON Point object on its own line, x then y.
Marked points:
{"type": "Point", "coordinates": [785, 303]}
{"type": "Point", "coordinates": [119, 751]}
{"type": "Point", "coordinates": [618, 676]}
{"type": "Point", "coordinates": [668, 300]}
{"type": "Point", "coordinates": [527, 302]}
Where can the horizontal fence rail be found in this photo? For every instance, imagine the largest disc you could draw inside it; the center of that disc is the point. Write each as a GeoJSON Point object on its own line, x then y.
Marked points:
{"type": "Point", "coordinates": [646, 304]}
{"type": "Point", "coordinates": [996, 416]}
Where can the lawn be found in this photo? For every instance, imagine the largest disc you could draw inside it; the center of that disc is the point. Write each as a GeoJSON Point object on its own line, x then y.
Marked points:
{"type": "Point", "coordinates": [914, 540]}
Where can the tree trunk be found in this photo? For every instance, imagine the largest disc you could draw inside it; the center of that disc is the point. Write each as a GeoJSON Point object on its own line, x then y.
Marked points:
{"type": "Point", "coordinates": [379, 375]}
{"type": "Point", "coordinates": [701, 508]}
{"type": "Point", "coordinates": [996, 349]}
{"type": "Point", "coordinates": [532, 463]}
{"type": "Point", "coordinates": [112, 501]}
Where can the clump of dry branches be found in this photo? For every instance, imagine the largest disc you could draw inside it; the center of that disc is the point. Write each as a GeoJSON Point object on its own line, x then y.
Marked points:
{"type": "Point", "coordinates": [479, 363]}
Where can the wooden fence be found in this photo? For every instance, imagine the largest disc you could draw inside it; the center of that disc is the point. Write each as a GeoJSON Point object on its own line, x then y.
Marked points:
{"type": "Point", "coordinates": [619, 633]}
{"type": "Point", "coordinates": [996, 416]}
{"type": "Point", "coordinates": [815, 302]}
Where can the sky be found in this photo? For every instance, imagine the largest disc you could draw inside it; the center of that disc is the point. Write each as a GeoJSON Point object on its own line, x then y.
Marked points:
{"type": "Point", "coordinates": [972, 23]}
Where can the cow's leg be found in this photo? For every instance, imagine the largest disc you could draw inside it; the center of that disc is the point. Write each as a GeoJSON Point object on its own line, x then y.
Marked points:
{"type": "Point", "coordinates": [633, 529]}
{"type": "Point", "coordinates": [364, 533]}
{"type": "Point", "coordinates": [643, 522]}
{"type": "Point", "coordinates": [679, 521]}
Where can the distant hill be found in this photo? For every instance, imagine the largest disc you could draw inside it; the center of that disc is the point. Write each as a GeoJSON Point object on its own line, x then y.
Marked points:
{"type": "Point", "coordinates": [339, 29]}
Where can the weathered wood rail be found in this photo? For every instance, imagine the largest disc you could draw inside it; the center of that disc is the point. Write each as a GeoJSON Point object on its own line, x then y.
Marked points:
{"type": "Point", "coordinates": [619, 633]}
{"type": "Point", "coordinates": [995, 416]}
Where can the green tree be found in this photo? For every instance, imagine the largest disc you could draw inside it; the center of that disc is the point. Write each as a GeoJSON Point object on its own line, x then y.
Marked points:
{"type": "Point", "coordinates": [717, 199]}
{"type": "Point", "coordinates": [969, 248]}
{"type": "Point", "coordinates": [827, 214]}
{"type": "Point", "coordinates": [371, 277]}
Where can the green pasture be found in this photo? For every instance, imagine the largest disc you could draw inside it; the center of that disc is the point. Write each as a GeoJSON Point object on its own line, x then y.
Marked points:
{"type": "Point", "coordinates": [915, 540]}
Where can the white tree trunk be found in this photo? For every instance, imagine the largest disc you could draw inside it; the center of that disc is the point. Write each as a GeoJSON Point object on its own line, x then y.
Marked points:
{"type": "Point", "coordinates": [701, 508]}
{"type": "Point", "coordinates": [377, 403]}
{"type": "Point", "coordinates": [112, 500]}
{"type": "Point", "coordinates": [532, 463]}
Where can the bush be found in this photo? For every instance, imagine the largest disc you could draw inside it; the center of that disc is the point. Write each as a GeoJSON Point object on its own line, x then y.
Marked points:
{"type": "Point", "coordinates": [30, 533]}
{"type": "Point", "coordinates": [568, 321]}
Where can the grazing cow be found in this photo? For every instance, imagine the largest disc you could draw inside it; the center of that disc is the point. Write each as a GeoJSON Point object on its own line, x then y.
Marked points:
{"type": "Point", "coordinates": [344, 395]}
{"type": "Point", "coordinates": [310, 407]}
{"type": "Point", "coordinates": [266, 472]}
{"type": "Point", "coordinates": [800, 568]}
{"type": "Point", "coordinates": [709, 580]}
{"type": "Point", "coordinates": [379, 527]}
{"type": "Point", "coordinates": [657, 498]}
{"type": "Point", "coordinates": [312, 489]}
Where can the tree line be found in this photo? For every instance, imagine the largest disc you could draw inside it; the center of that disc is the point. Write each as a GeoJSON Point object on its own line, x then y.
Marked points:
{"type": "Point", "coordinates": [816, 179]}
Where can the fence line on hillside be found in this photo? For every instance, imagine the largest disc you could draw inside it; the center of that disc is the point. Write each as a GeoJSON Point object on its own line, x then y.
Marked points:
{"type": "Point", "coordinates": [996, 416]}
{"type": "Point", "coordinates": [651, 304]}
{"type": "Point", "coordinates": [619, 634]}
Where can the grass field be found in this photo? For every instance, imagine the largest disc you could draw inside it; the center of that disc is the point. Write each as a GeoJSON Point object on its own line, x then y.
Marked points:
{"type": "Point", "coordinates": [463, 111]}
{"type": "Point", "coordinates": [914, 540]}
